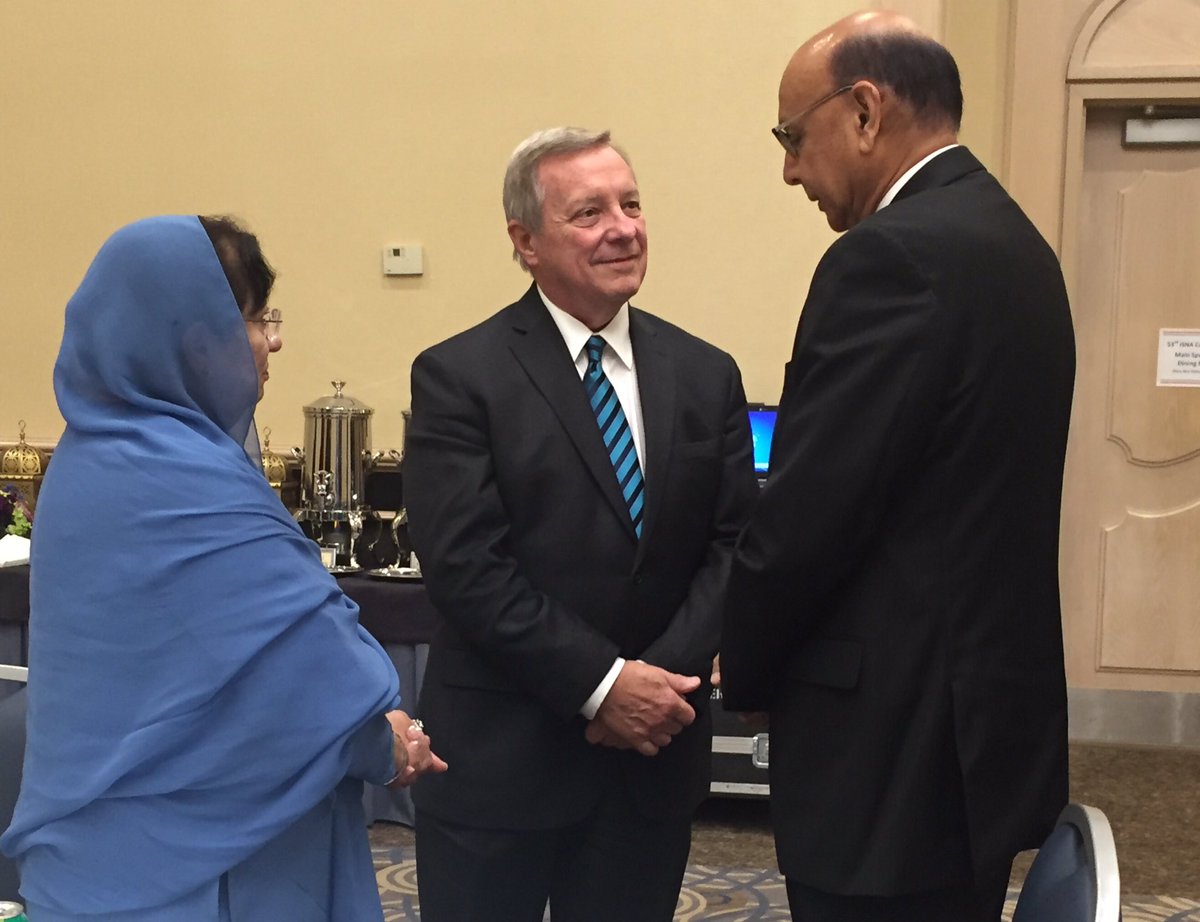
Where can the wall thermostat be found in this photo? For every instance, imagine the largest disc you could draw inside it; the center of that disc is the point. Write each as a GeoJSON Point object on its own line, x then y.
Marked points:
{"type": "Point", "coordinates": [405, 259]}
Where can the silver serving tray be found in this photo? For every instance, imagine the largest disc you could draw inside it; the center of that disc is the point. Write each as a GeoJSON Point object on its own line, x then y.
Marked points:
{"type": "Point", "coordinates": [398, 574]}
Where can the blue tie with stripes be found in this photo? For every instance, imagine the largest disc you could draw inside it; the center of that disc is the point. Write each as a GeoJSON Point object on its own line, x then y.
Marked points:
{"type": "Point", "coordinates": [614, 429]}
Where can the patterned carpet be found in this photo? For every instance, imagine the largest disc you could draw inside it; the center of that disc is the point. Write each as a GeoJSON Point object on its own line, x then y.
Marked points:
{"type": "Point", "coordinates": [726, 895]}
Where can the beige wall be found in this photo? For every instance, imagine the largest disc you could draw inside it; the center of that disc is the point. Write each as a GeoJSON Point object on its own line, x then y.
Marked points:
{"type": "Point", "coordinates": [977, 31]}
{"type": "Point", "coordinates": [336, 130]}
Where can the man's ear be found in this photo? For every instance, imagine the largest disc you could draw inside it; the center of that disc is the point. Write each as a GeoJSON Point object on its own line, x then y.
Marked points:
{"type": "Point", "coordinates": [869, 101]}
{"type": "Point", "coordinates": [522, 241]}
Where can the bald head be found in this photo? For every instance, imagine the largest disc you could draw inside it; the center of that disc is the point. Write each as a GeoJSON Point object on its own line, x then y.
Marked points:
{"type": "Point", "coordinates": [865, 22]}
{"type": "Point", "coordinates": [889, 50]}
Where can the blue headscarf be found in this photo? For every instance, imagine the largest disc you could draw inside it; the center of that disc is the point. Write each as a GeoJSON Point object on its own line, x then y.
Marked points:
{"type": "Point", "coordinates": [196, 676]}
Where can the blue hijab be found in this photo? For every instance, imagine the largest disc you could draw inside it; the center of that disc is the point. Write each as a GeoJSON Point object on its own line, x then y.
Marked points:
{"type": "Point", "coordinates": [197, 678]}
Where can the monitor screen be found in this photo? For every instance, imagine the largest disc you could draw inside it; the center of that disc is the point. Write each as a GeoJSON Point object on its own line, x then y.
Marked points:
{"type": "Point", "coordinates": [762, 427]}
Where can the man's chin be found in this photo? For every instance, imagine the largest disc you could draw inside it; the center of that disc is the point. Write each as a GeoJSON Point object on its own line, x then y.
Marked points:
{"type": "Point", "coordinates": [628, 274]}
{"type": "Point", "coordinates": [836, 222]}
{"type": "Point", "coordinates": [623, 292]}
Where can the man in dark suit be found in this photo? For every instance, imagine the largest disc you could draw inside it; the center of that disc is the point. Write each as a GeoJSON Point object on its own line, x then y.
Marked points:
{"type": "Point", "coordinates": [577, 472]}
{"type": "Point", "coordinates": [893, 603]}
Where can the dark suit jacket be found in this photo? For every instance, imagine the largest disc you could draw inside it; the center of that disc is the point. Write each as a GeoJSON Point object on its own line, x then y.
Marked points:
{"type": "Point", "coordinates": [894, 601]}
{"type": "Point", "coordinates": [529, 554]}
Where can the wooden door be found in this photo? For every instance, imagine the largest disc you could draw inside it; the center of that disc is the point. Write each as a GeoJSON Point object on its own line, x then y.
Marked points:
{"type": "Point", "coordinates": [1131, 505]}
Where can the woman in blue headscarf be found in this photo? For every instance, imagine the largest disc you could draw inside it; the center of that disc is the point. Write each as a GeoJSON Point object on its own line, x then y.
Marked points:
{"type": "Point", "coordinates": [203, 706]}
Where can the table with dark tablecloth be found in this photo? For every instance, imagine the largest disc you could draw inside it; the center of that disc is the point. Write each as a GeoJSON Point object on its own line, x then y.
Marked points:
{"type": "Point", "coordinates": [14, 614]}
{"type": "Point", "coordinates": [397, 613]}
{"type": "Point", "coordinates": [394, 611]}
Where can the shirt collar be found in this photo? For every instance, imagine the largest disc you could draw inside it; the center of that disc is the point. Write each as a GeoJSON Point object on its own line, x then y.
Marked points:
{"type": "Point", "coordinates": [907, 175]}
{"type": "Point", "coordinates": [576, 334]}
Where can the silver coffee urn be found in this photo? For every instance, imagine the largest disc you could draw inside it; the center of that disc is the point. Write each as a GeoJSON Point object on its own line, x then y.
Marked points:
{"type": "Point", "coordinates": [337, 454]}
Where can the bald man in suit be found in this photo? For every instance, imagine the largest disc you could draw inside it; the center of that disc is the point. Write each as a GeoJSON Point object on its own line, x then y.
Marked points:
{"type": "Point", "coordinates": [893, 603]}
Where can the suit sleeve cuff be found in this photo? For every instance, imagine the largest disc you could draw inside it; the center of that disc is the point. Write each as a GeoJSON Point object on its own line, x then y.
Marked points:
{"type": "Point", "coordinates": [592, 705]}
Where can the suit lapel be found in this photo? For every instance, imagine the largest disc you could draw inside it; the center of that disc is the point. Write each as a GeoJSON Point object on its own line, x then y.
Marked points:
{"type": "Point", "coordinates": [656, 388]}
{"type": "Point", "coordinates": [538, 347]}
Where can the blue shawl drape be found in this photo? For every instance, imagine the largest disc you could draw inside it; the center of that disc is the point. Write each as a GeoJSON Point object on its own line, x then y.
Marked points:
{"type": "Point", "coordinates": [198, 683]}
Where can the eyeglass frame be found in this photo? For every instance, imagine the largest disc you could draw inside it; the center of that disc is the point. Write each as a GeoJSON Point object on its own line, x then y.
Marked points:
{"type": "Point", "coordinates": [270, 322]}
{"type": "Point", "coordinates": [786, 141]}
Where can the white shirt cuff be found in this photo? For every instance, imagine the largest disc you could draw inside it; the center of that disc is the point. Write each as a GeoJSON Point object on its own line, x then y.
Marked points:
{"type": "Point", "coordinates": [592, 705]}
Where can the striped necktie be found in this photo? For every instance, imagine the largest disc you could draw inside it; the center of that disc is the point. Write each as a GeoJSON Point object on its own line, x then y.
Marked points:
{"type": "Point", "coordinates": [614, 429]}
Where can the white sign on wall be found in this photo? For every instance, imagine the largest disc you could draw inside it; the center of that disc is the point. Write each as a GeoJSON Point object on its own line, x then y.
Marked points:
{"type": "Point", "coordinates": [1179, 358]}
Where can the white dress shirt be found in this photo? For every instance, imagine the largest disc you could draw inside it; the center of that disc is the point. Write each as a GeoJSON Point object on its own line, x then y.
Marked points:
{"type": "Point", "coordinates": [617, 363]}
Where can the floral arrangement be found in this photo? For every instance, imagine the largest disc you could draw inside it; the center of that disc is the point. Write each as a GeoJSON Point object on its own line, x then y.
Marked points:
{"type": "Point", "coordinates": [15, 517]}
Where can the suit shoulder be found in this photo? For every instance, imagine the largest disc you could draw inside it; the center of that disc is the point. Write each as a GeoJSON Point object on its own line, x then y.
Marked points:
{"type": "Point", "coordinates": [480, 336]}
{"type": "Point", "coordinates": [676, 337]}
{"type": "Point", "coordinates": [872, 247]}
{"type": "Point", "coordinates": [976, 205]}
{"type": "Point", "coordinates": [960, 221]}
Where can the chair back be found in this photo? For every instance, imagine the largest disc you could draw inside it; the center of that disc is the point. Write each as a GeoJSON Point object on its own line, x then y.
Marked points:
{"type": "Point", "coordinates": [12, 755]}
{"type": "Point", "coordinates": [1074, 877]}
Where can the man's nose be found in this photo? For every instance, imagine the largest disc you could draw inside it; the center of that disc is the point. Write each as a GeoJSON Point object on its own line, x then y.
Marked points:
{"type": "Point", "coordinates": [623, 226]}
{"type": "Point", "coordinates": [791, 172]}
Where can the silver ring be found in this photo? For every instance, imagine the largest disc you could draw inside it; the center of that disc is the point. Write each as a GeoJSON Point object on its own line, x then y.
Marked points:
{"type": "Point", "coordinates": [417, 725]}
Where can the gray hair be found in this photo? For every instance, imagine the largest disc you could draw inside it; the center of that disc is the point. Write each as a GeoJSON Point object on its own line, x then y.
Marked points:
{"type": "Point", "coordinates": [523, 192]}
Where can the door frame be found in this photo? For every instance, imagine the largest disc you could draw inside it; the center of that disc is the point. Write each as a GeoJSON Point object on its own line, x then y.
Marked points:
{"type": "Point", "coordinates": [1051, 88]}
{"type": "Point", "coordinates": [1081, 96]}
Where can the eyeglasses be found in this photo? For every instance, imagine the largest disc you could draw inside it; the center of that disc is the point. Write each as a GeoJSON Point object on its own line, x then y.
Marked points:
{"type": "Point", "coordinates": [791, 142]}
{"type": "Point", "coordinates": [270, 323]}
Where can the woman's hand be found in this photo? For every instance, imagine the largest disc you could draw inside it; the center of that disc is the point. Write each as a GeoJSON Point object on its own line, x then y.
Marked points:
{"type": "Point", "coordinates": [414, 757]}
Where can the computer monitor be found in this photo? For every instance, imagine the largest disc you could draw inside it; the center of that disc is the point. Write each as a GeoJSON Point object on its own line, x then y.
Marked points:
{"type": "Point", "coordinates": [762, 428]}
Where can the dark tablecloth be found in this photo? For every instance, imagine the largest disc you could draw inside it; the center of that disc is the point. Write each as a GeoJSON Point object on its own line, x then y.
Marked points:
{"type": "Point", "coordinates": [394, 612]}
{"type": "Point", "coordinates": [14, 593]}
